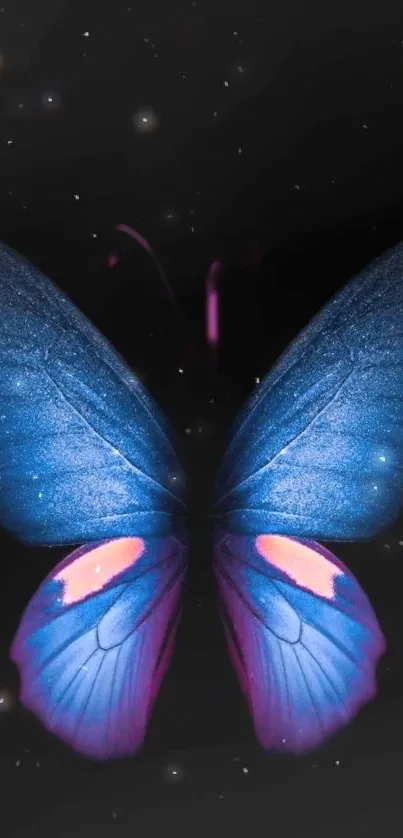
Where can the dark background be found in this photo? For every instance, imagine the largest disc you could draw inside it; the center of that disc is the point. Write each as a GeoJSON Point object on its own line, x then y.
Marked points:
{"type": "Point", "coordinates": [277, 133]}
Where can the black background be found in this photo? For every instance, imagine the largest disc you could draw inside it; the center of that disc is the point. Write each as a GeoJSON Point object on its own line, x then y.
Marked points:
{"type": "Point", "coordinates": [279, 131]}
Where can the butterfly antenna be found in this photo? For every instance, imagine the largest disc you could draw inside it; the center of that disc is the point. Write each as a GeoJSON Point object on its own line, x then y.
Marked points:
{"type": "Point", "coordinates": [124, 228]}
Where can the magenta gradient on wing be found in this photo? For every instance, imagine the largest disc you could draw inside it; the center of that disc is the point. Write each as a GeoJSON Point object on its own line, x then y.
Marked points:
{"type": "Point", "coordinates": [90, 669]}
{"type": "Point", "coordinates": [306, 661]}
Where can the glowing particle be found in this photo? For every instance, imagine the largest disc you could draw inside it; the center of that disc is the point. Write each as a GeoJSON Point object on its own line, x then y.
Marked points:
{"type": "Point", "coordinates": [50, 100]}
{"type": "Point", "coordinates": [145, 120]}
{"type": "Point", "coordinates": [86, 34]}
{"type": "Point", "coordinates": [174, 773]}
{"type": "Point", "coordinates": [76, 197]}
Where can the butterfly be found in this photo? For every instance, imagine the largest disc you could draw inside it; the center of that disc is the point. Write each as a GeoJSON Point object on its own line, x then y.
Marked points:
{"type": "Point", "coordinates": [87, 459]}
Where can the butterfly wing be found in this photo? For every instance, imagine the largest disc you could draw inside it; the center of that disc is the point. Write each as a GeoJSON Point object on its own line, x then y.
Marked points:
{"type": "Point", "coordinates": [302, 635]}
{"type": "Point", "coordinates": [96, 639]}
{"type": "Point", "coordinates": [85, 452]}
{"type": "Point", "coordinates": [316, 454]}
{"type": "Point", "coordinates": [86, 457]}
{"type": "Point", "coordinates": [318, 450]}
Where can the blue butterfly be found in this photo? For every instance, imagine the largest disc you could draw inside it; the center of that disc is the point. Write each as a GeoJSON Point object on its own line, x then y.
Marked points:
{"type": "Point", "coordinates": [87, 459]}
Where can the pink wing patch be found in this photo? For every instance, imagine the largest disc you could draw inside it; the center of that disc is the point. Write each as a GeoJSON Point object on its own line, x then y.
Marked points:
{"type": "Point", "coordinates": [302, 635]}
{"type": "Point", "coordinates": [96, 639]}
{"type": "Point", "coordinates": [304, 566]}
{"type": "Point", "coordinates": [93, 570]}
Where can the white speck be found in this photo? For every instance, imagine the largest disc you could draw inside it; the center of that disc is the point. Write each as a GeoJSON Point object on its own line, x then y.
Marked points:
{"type": "Point", "coordinates": [38, 764]}
{"type": "Point", "coordinates": [98, 568]}
{"type": "Point", "coordinates": [180, 370]}
{"type": "Point", "coordinates": [382, 459]}
{"type": "Point", "coordinates": [145, 120]}
{"type": "Point", "coordinates": [86, 34]}
{"type": "Point", "coordinates": [95, 235]}
{"type": "Point", "coordinates": [221, 797]}
{"type": "Point", "coordinates": [245, 770]}
{"type": "Point", "coordinates": [257, 380]}
{"type": "Point", "coordinates": [283, 741]}
{"type": "Point", "coordinates": [400, 543]}
{"type": "Point", "coordinates": [240, 150]}
{"type": "Point", "coordinates": [9, 142]}
{"type": "Point", "coordinates": [18, 763]}
{"type": "Point", "coordinates": [337, 762]}
{"type": "Point", "coordinates": [376, 488]}
{"type": "Point", "coordinates": [188, 430]}
{"type": "Point", "coordinates": [364, 125]}
{"type": "Point", "coordinates": [297, 186]}
{"type": "Point", "coordinates": [76, 197]}
{"type": "Point", "coordinates": [226, 83]}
